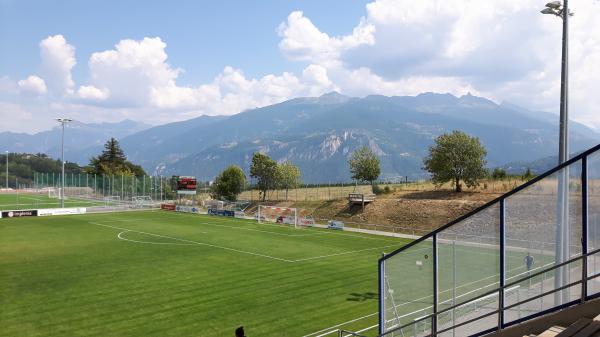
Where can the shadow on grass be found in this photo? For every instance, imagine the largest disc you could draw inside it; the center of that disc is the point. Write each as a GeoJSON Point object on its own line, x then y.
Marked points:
{"type": "Point", "coordinates": [361, 297]}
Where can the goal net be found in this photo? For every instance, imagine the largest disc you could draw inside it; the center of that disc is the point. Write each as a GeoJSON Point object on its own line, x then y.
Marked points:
{"type": "Point", "coordinates": [297, 217]}
{"type": "Point", "coordinates": [144, 201]}
{"type": "Point", "coordinates": [53, 193]}
{"type": "Point", "coordinates": [276, 214]}
{"type": "Point", "coordinates": [112, 199]}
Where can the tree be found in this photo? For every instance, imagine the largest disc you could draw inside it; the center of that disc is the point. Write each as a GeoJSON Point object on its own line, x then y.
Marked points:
{"type": "Point", "coordinates": [229, 184]}
{"type": "Point", "coordinates": [364, 165]}
{"type": "Point", "coordinates": [499, 174]}
{"type": "Point", "coordinates": [288, 176]}
{"type": "Point", "coordinates": [264, 169]}
{"type": "Point", "coordinates": [454, 157]}
{"type": "Point", "coordinates": [528, 175]}
{"type": "Point", "coordinates": [112, 161]}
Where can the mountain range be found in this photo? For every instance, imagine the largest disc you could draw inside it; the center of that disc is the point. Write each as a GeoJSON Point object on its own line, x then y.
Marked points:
{"type": "Point", "coordinates": [319, 133]}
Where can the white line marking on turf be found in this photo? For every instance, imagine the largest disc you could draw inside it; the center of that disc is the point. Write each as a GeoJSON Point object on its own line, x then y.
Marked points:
{"type": "Point", "coordinates": [318, 231]}
{"type": "Point", "coordinates": [150, 242]}
{"type": "Point", "coordinates": [195, 242]}
{"type": "Point", "coordinates": [348, 252]}
{"type": "Point", "coordinates": [255, 230]}
{"type": "Point", "coordinates": [420, 299]}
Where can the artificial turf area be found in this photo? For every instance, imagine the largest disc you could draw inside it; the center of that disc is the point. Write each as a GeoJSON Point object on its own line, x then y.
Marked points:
{"type": "Point", "coordinates": [158, 273]}
{"type": "Point", "coordinates": [16, 201]}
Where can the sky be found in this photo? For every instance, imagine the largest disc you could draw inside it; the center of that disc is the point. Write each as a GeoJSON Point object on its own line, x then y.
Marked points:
{"type": "Point", "coordinates": [158, 62]}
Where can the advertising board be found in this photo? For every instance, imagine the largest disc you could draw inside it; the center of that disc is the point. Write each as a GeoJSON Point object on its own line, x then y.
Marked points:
{"type": "Point", "coordinates": [19, 213]}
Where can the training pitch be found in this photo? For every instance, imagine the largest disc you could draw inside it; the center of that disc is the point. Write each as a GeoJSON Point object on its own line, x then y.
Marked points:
{"type": "Point", "coordinates": [159, 273]}
{"type": "Point", "coordinates": [16, 201]}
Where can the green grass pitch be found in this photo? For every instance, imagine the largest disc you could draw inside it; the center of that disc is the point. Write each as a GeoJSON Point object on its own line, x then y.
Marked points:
{"type": "Point", "coordinates": [156, 273]}
{"type": "Point", "coordinates": [14, 201]}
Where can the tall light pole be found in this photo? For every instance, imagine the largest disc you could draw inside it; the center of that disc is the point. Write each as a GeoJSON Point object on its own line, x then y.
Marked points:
{"type": "Point", "coordinates": [562, 251]}
{"type": "Point", "coordinates": [561, 9]}
{"type": "Point", "coordinates": [7, 170]}
{"type": "Point", "coordinates": [62, 122]}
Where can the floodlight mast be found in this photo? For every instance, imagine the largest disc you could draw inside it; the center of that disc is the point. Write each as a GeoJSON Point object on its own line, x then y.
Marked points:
{"type": "Point", "coordinates": [7, 170]}
{"type": "Point", "coordinates": [62, 121]}
{"type": "Point", "coordinates": [562, 251]}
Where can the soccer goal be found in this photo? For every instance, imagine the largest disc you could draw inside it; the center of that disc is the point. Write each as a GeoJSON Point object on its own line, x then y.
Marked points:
{"type": "Point", "coordinates": [282, 215]}
{"type": "Point", "coordinates": [143, 201]}
{"type": "Point", "coordinates": [54, 193]}
{"type": "Point", "coordinates": [112, 200]}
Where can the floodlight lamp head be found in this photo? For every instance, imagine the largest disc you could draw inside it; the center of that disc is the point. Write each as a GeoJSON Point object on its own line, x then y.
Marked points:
{"type": "Point", "coordinates": [64, 120]}
{"type": "Point", "coordinates": [554, 4]}
{"type": "Point", "coordinates": [548, 11]}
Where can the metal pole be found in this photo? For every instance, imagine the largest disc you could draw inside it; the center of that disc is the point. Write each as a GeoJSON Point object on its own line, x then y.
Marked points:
{"type": "Point", "coordinates": [563, 147]}
{"type": "Point", "coordinates": [6, 170]}
{"type": "Point", "coordinates": [454, 284]}
{"type": "Point", "coordinates": [62, 155]}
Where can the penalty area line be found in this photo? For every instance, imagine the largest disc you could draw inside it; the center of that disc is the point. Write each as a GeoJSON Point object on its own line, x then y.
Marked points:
{"type": "Point", "coordinates": [195, 242]}
{"type": "Point", "coordinates": [150, 242]}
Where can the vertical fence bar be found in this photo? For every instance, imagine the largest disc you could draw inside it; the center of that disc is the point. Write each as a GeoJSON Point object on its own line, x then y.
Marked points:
{"type": "Point", "coordinates": [502, 264]}
{"type": "Point", "coordinates": [435, 286]}
{"type": "Point", "coordinates": [382, 295]}
{"type": "Point", "coordinates": [584, 228]}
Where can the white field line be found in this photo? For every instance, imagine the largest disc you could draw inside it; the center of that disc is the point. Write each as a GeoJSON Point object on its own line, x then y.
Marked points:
{"type": "Point", "coordinates": [255, 230]}
{"type": "Point", "coordinates": [232, 249]}
{"type": "Point", "coordinates": [197, 243]}
{"type": "Point", "coordinates": [250, 222]}
{"type": "Point", "coordinates": [217, 225]}
{"type": "Point", "coordinates": [150, 242]}
{"type": "Point", "coordinates": [422, 298]}
{"type": "Point", "coordinates": [344, 253]}
{"type": "Point", "coordinates": [225, 226]}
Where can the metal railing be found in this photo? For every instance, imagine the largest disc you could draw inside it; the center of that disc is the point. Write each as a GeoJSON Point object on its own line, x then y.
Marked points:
{"type": "Point", "coordinates": [500, 291]}
{"type": "Point", "coordinates": [546, 219]}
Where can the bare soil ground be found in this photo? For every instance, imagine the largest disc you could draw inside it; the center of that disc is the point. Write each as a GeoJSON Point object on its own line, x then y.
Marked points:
{"type": "Point", "coordinates": [422, 210]}
{"type": "Point", "coordinates": [415, 212]}
{"type": "Point", "coordinates": [414, 208]}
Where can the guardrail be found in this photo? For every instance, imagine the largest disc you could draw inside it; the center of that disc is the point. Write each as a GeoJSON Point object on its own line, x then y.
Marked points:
{"type": "Point", "coordinates": [426, 287]}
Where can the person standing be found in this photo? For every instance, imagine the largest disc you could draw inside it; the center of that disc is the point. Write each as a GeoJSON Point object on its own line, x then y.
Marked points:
{"type": "Point", "coordinates": [529, 261]}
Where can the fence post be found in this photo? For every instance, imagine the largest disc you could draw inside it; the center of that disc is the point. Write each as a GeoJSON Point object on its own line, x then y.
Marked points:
{"type": "Point", "coordinates": [435, 286]}
{"type": "Point", "coordinates": [502, 265]}
{"type": "Point", "coordinates": [584, 228]}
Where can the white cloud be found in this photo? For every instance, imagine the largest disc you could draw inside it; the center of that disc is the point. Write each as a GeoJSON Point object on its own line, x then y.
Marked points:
{"type": "Point", "coordinates": [137, 76]}
{"type": "Point", "coordinates": [15, 116]}
{"type": "Point", "coordinates": [33, 85]}
{"type": "Point", "coordinates": [89, 92]}
{"type": "Point", "coordinates": [58, 58]}
{"type": "Point", "coordinates": [301, 40]}
{"type": "Point", "coordinates": [503, 49]}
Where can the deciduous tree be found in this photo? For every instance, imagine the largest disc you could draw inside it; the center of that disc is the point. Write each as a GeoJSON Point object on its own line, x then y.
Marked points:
{"type": "Point", "coordinates": [288, 176]}
{"type": "Point", "coordinates": [229, 184]}
{"type": "Point", "coordinates": [364, 165]}
{"type": "Point", "coordinates": [454, 157]}
{"type": "Point", "coordinates": [264, 169]}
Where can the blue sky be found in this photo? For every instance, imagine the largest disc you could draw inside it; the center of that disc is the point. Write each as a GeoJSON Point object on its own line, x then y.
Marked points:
{"type": "Point", "coordinates": [202, 36]}
{"type": "Point", "coordinates": [159, 61]}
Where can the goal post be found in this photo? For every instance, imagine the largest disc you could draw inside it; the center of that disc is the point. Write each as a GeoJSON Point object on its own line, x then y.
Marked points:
{"type": "Point", "coordinates": [276, 214]}
{"type": "Point", "coordinates": [143, 201]}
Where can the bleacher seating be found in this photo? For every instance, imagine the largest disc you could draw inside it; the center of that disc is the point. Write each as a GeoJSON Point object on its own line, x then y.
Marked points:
{"type": "Point", "coordinates": [583, 327]}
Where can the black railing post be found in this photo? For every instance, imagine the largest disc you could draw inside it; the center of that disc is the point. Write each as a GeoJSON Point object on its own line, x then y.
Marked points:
{"type": "Point", "coordinates": [502, 264]}
{"type": "Point", "coordinates": [435, 287]}
{"type": "Point", "coordinates": [382, 295]}
{"type": "Point", "coordinates": [584, 228]}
